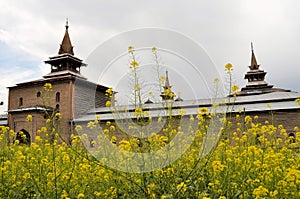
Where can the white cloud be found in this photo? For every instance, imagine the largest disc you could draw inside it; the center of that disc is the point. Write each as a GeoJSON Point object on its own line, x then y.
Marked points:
{"type": "Point", "coordinates": [8, 80]}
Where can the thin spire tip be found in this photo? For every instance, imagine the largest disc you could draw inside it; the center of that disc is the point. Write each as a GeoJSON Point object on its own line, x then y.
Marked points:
{"type": "Point", "coordinates": [67, 24]}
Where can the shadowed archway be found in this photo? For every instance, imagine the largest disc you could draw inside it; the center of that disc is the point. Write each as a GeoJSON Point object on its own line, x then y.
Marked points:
{"type": "Point", "coordinates": [23, 137]}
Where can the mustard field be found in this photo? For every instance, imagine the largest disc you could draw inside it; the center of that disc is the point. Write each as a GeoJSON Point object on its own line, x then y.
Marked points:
{"type": "Point", "coordinates": [251, 160]}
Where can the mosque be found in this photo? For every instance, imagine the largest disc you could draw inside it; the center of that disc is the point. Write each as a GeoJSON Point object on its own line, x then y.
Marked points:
{"type": "Point", "coordinates": [78, 100]}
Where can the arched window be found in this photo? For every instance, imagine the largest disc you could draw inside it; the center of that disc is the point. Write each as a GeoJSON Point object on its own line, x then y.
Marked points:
{"type": "Point", "coordinates": [38, 94]}
{"type": "Point", "coordinates": [57, 97]}
{"type": "Point", "coordinates": [21, 101]}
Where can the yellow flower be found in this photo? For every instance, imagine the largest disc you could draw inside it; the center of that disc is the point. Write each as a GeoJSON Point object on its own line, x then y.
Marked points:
{"type": "Point", "coordinates": [57, 115]}
{"type": "Point", "coordinates": [137, 87]}
{"type": "Point", "coordinates": [47, 87]}
{"type": "Point", "coordinates": [162, 79]}
{"type": "Point", "coordinates": [181, 112]}
{"type": "Point", "coordinates": [108, 104]}
{"type": "Point", "coordinates": [154, 49]}
{"type": "Point", "coordinates": [159, 119]}
{"type": "Point", "coordinates": [109, 92]}
{"type": "Point", "coordinates": [171, 95]}
{"type": "Point", "coordinates": [260, 191]}
{"type": "Point", "coordinates": [17, 142]}
{"type": "Point", "coordinates": [181, 185]}
{"type": "Point", "coordinates": [228, 66]}
{"type": "Point", "coordinates": [134, 64]}
{"type": "Point", "coordinates": [81, 195]}
{"type": "Point", "coordinates": [29, 118]}
{"type": "Point", "coordinates": [78, 128]}
{"type": "Point", "coordinates": [66, 158]}
{"type": "Point", "coordinates": [113, 139]}
{"type": "Point", "coordinates": [273, 193]}
{"type": "Point", "coordinates": [216, 80]}
{"type": "Point", "coordinates": [64, 194]}
{"type": "Point", "coordinates": [38, 138]}
{"type": "Point", "coordinates": [112, 128]}
{"type": "Point", "coordinates": [217, 166]}
{"type": "Point", "coordinates": [96, 193]}
{"type": "Point", "coordinates": [91, 125]}
{"type": "Point", "coordinates": [297, 101]}
{"type": "Point", "coordinates": [97, 117]}
{"type": "Point", "coordinates": [138, 111]}
{"type": "Point", "coordinates": [192, 118]}
{"type": "Point", "coordinates": [2, 129]}
{"type": "Point", "coordinates": [106, 131]}
{"type": "Point", "coordinates": [248, 119]}
{"type": "Point", "coordinates": [131, 49]}
{"type": "Point", "coordinates": [234, 88]}
{"type": "Point", "coordinates": [203, 111]}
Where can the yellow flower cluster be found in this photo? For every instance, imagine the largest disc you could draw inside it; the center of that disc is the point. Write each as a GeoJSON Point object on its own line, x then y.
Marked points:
{"type": "Point", "coordinates": [109, 92]}
{"type": "Point", "coordinates": [138, 111]}
{"type": "Point", "coordinates": [252, 160]}
{"type": "Point", "coordinates": [29, 118]}
{"type": "Point", "coordinates": [228, 67]}
{"type": "Point", "coordinates": [134, 64]}
{"type": "Point", "coordinates": [234, 88]}
{"type": "Point", "coordinates": [108, 104]}
{"type": "Point", "coordinates": [57, 115]}
{"type": "Point", "coordinates": [47, 87]}
{"type": "Point", "coordinates": [130, 49]}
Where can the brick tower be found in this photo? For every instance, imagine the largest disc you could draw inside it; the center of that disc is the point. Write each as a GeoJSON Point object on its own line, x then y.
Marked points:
{"type": "Point", "coordinates": [71, 94]}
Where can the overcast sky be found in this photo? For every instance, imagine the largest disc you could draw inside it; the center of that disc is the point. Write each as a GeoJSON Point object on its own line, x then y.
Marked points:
{"type": "Point", "coordinates": [31, 31]}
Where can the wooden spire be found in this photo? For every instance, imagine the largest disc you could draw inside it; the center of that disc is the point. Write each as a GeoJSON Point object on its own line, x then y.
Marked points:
{"type": "Point", "coordinates": [254, 65]}
{"type": "Point", "coordinates": [66, 45]}
{"type": "Point", "coordinates": [167, 83]}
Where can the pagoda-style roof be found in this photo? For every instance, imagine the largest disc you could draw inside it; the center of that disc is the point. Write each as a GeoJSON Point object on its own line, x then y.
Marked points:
{"type": "Point", "coordinates": [66, 45]}
{"type": "Point", "coordinates": [256, 80]}
{"type": "Point", "coordinates": [65, 60]}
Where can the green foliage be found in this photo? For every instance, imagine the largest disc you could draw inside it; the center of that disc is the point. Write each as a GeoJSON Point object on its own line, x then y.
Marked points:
{"type": "Point", "coordinates": [259, 162]}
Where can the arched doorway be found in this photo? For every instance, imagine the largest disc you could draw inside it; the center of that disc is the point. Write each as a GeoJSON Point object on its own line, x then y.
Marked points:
{"type": "Point", "coordinates": [23, 137]}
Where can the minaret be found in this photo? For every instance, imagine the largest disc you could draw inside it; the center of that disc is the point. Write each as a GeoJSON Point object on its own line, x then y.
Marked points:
{"type": "Point", "coordinates": [65, 60]}
{"type": "Point", "coordinates": [167, 94]}
{"type": "Point", "coordinates": [256, 78]}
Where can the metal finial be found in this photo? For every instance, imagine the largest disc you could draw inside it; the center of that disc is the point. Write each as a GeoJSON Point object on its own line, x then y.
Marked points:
{"type": "Point", "coordinates": [67, 24]}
